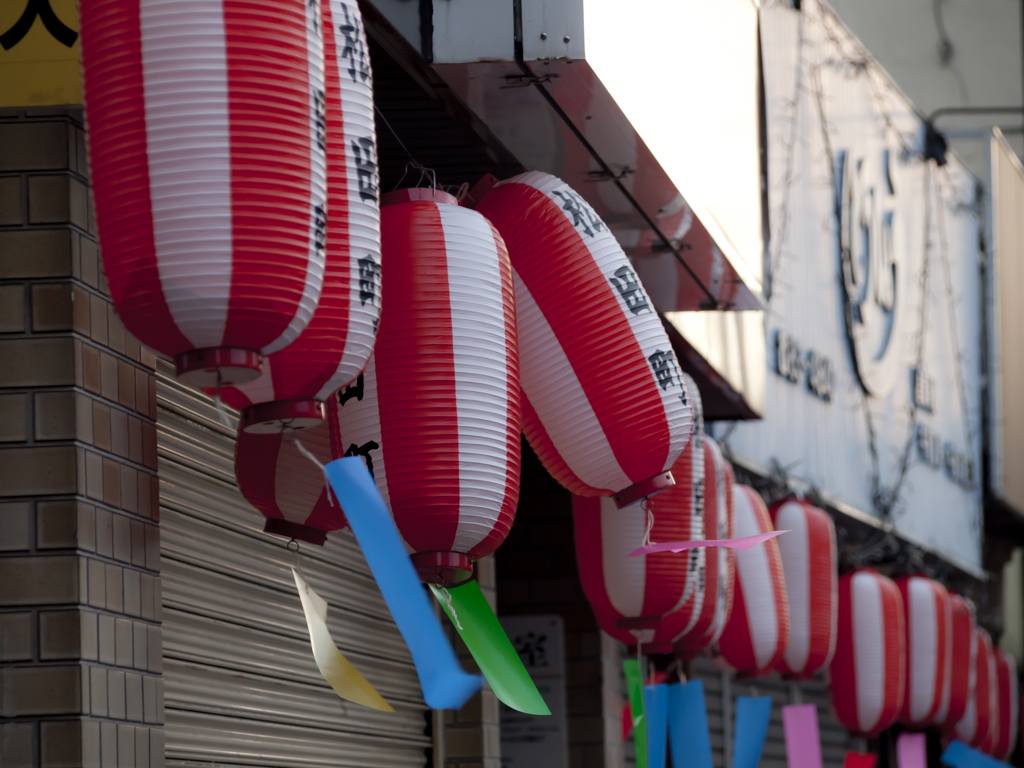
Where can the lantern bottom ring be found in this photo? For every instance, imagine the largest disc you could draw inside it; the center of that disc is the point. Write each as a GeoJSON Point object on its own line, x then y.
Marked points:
{"type": "Point", "coordinates": [217, 366]}
{"type": "Point", "coordinates": [279, 415]}
{"type": "Point", "coordinates": [446, 569]}
{"type": "Point", "coordinates": [644, 489]}
{"type": "Point", "coordinates": [290, 530]}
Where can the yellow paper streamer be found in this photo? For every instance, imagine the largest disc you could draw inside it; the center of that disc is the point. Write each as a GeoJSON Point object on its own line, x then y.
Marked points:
{"type": "Point", "coordinates": [336, 669]}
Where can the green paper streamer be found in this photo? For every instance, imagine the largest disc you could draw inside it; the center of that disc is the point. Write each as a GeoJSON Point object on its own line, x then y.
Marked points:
{"type": "Point", "coordinates": [635, 686]}
{"type": "Point", "coordinates": [480, 630]}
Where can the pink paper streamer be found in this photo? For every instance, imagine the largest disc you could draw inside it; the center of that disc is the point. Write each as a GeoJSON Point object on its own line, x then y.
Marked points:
{"type": "Point", "coordinates": [681, 546]}
{"type": "Point", "coordinates": [911, 751]}
{"type": "Point", "coordinates": [803, 745]}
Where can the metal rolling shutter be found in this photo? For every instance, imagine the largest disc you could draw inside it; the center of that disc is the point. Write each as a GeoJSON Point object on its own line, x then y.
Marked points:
{"type": "Point", "coordinates": [835, 739]}
{"type": "Point", "coordinates": [241, 687]}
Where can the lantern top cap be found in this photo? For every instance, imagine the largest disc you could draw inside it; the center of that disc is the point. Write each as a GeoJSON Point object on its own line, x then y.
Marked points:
{"type": "Point", "coordinates": [417, 194]}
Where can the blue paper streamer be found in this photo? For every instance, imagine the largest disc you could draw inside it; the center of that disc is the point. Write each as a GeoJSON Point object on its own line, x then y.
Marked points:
{"type": "Point", "coordinates": [445, 684]}
{"type": "Point", "coordinates": [959, 755]}
{"type": "Point", "coordinates": [656, 709]}
{"type": "Point", "coordinates": [688, 726]}
{"type": "Point", "coordinates": [752, 716]}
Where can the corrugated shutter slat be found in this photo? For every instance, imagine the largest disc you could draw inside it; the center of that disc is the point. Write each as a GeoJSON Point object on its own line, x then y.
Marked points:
{"type": "Point", "coordinates": [241, 687]}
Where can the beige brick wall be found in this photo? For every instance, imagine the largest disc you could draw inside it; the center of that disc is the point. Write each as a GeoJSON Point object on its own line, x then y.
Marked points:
{"type": "Point", "coordinates": [80, 638]}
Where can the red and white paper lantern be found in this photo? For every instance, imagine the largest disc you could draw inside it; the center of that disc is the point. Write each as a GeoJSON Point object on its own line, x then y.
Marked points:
{"type": "Point", "coordinates": [928, 620]}
{"type": "Point", "coordinates": [720, 563]}
{"type": "Point", "coordinates": [333, 349]}
{"type": "Point", "coordinates": [605, 407]}
{"type": "Point", "coordinates": [1004, 722]}
{"type": "Point", "coordinates": [960, 680]}
{"type": "Point", "coordinates": [648, 599]}
{"type": "Point", "coordinates": [757, 632]}
{"type": "Point", "coordinates": [436, 415]}
{"type": "Point", "coordinates": [975, 726]}
{"type": "Point", "coordinates": [283, 484]}
{"type": "Point", "coordinates": [808, 554]}
{"type": "Point", "coordinates": [208, 173]}
{"type": "Point", "coordinates": [868, 671]}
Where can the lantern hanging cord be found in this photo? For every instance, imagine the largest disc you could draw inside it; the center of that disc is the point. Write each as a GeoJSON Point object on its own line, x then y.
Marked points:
{"type": "Point", "coordinates": [309, 455]}
{"type": "Point", "coordinates": [219, 404]}
{"type": "Point", "coordinates": [451, 608]}
{"type": "Point", "coordinates": [298, 560]}
{"type": "Point", "coordinates": [648, 506]}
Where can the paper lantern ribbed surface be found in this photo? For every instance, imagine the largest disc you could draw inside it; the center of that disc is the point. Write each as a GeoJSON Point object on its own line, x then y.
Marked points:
{"type": "Point", "coordinates": [720, 563]}
{"type": "Point", "coordinates": [809, 564]}
{"type": "Point", "coordinates": [605, 407]}
{"type": "Point", "coordinates": [333, 349]}
{"type": "Point", "coordinates": [974, 727]}
{"type": "Point", "coordinates": [286, 486]}
{"type": "Point", "coordinates": [208, 173]}
{"type": "Point", "coordinates": [1004, 722]}
{"type": "Point", "coordinates": [868, 669]}
{"type": "Point", "coordinates": [757, 631]}
{"type": "Point", "coordinates": [649, 598]}
{"type": "Point", "coordinates": [436, 414]}
{"type": "Point", "coordinates": [927, 619]}
{"type": "Point", "coordinates": [960, 681]}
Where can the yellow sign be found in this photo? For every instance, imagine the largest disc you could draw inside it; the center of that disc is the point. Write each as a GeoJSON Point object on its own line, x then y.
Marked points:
{"type": "Point", "coordinates": [39, 50]}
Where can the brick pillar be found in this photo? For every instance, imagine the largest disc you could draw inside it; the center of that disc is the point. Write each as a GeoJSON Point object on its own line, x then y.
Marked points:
{"type": "Point", "coordinates": [472, 736]}
{"type": "Point", "coordinates": [80, 638]}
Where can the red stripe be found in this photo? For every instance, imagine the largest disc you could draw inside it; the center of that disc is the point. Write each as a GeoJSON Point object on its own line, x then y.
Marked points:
{"type": "Point", "coordinates": [822, 560]}
{"type": "Point", "coordinates": [305, 365]}
{"type": "Point", "coordinates": [113, 88]}
{"type": "Point", "coordinates": [695, 640]}
{"type": "Point", "coordinates": [327, 515]}
{"type": "Point", "coordinates": [256, 471]}
{"type": "Point", "coordinates": [513, 413]}
{"type": "Point", "coordinates": [963, 637]}
{"type": "Point", "coordinates": [736, 644]}
{"type": "Point", "coordinates": [576, 300]}
{"type": "Point", "coordinates": [982, 689]}
{"type": "Point", "coordinates": [667, 572]}
{"type": "Point", "coordinates": [586, 512]}
{"type": "Point", "coordinates": [553, 462]}
{"type": "Point", "coordinates": [268, 110]}
{"type": "Point", "coordinates": [942, 615]}
{"type": "Point", "coordinates": [416, 378]}
{"type": "Point", "coordinates": [843, 672]}
{"type": "Point", "coordinates": [895, 652]}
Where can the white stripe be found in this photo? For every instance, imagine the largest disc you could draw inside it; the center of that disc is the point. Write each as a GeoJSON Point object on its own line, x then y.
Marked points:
{"type": "Point", "coordinates": [625, 578]}
{"type": "Point", "coordinates": [317, 184]}
{"type": "Point", "coordinates": [359, 424]}
{"type": "Point", "coordinates": [260, 389]}
{"type": "Point", "coordinates": [563, 410]}
{"type": "Point", "coordinates": [480, 359]}
{"type": "Point", "coordinates": [794, 548]}
{"type": "Point", "coordinates": [868, 648]}
{"type": "Point", "coordinates": [755, 577]}
{"type": "Point", "coordinates": [363, 231]}
{"type": "Point", "coordinates": [725, 531]}
{"type": "Point", "coordinates": [189, 153]}
{"type": "Point", "coordinates": [697, 558]}
{"type": "Point", "coordinates": [298, 482]}
{"type": "Point", "coordinates": [922, 646]}
{"type": "Point", "coordinates": [968, 724]}
{"type": "Point", "coordinates": [647, 329]}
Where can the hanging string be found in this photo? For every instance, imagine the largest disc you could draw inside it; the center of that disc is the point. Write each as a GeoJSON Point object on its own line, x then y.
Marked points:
{"type": "Point", "coordinates": [219, 405]}
{"type": "Point", "coordinates": [648, 506]}
{"type": "Point", "coordinates": [451, 608]}
{"type": "Point", "coordinates": [291, 431]}
{"type": "Point", "coordinates": [298, 560]}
